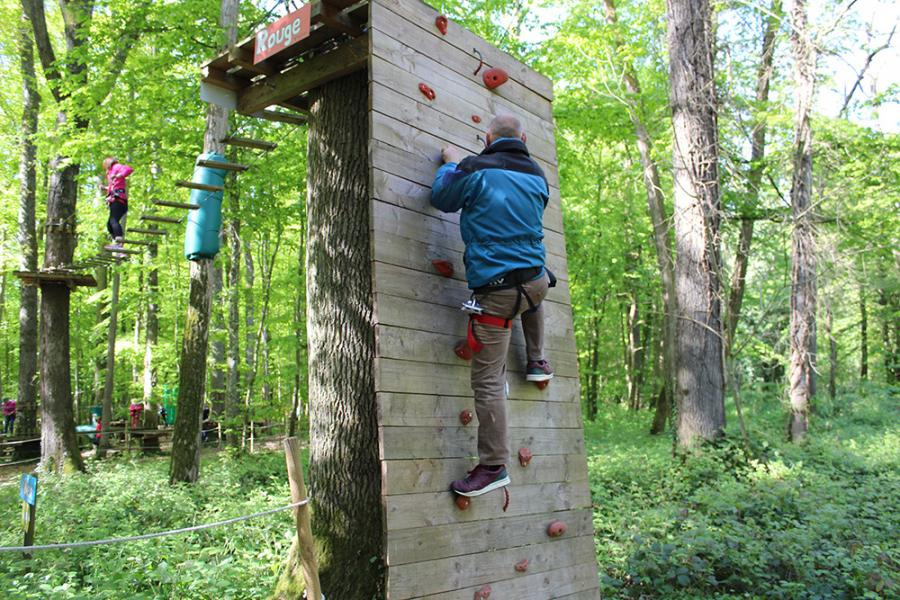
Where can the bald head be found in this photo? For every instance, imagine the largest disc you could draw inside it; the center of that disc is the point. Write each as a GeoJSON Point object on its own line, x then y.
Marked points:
{"type": "Point", "coordinates": [505, 126]}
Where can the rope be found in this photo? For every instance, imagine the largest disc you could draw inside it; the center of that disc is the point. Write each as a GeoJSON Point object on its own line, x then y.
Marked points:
{"type": "Point", "coordinates": [148, 536]}
{"type": "Point", "coordinates": [20, 462]}
{"type": "Point", "coordinates": [17, 442]}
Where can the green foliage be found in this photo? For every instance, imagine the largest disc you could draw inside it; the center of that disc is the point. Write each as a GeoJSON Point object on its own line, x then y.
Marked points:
{"type": "Point", "coordinates": [122, 498]}
{"type": "Point", "coordinates": [774, 521]}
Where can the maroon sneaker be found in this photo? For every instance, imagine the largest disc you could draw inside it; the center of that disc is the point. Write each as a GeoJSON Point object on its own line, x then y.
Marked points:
{"type": "Point", "coordinates": [538, 370]}
{"type": "Point", "coordinates": [481, 480]}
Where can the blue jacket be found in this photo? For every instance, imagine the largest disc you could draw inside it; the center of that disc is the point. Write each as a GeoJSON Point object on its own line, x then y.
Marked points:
{"type": "Point", "coordinates": [502, 193]}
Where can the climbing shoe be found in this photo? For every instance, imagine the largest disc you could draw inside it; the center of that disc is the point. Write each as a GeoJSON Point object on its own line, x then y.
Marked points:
{"type": "Point", "coordinates": [538, 370]}
{"type": "Point", "coordinates": [481, 480]}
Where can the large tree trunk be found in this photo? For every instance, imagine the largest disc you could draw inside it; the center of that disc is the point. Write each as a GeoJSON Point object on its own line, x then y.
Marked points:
{"type": "Point", "coordinates": [150, 416]}
{"type": "Point", "coordinates": [345, 476]}
{"type": "Point", "coordinates": [699, 375]}
{"type": "Point", "coordinates": [110, 381]}
{"type": "Point", "coordinates": [661, 236]}
{"type": "Point", "coordinates": [185, 466]}
{"type": "Point", "coordinates": [863, 335]}
{"type": "Point", "coordinates": [26, 404]}
{"type": "Point", "coordinates": [803, 252]}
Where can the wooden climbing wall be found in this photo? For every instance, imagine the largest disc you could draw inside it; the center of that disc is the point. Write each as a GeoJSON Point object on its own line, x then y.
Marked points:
{"type": "Point", "coordinates": [435, 550]}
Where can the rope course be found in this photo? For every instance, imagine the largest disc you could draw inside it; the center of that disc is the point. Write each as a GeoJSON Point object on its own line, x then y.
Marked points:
{"type": "Point", "coordinates": [149, 536]}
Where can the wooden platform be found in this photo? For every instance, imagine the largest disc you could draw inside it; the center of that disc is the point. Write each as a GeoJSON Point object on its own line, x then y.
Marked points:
{"type": "Point", "coordinates": [69, 278]}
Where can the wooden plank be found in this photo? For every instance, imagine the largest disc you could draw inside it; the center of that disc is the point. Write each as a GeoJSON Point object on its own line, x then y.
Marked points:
{"type": "Point", "coordinates": [428, 146]}
{"type": "Point", "coordinates": [459, 441]}
{"type": "Point", "coordinates": [123, 251]}
{"type": "Point", "coordinates": [405, 377]}
{"type": "Point", "coordinates": [148, 231]}
{"type": "Point", "coordinates": [431, 543]}
{"type": "Point", "coordinates": [423, 15]}
{"type": "Point", "coordinates": [199, 186]}
{"type": "Point", "coordinates": [474, 570]}
{"type": "Point", "coordinates": [437, 349]}
{"type": "Point", "coordinates": [459, 98]}
{"type": "Point", "coordinates": [460, 131]}
{"type": "Point", "coordinates": [225, 166]}
{"type": "Point", "coordinates": [577, 582]}
{"type": "Point", "coordinates": [449, 320]}
{"type": "Point", "coordinates": [139, 242]}
{"type": "Point", "coordinates": [428, 410]}
{"type": "Point", "coordinates": [432, 509]}
{"type": "Point", "coordinates": [62, 277]}
{"type": "Point", "coordinates": [461, 62]}
{"type": "Point", "coordinates": [308, 75]}
{"type": "Point", "coordinates": [158, 219]}
{"type": "Point", "coordinates": [280, 117]}
{"type": "Point", "coordinates": [176, 204]}
{"type": "Point", "coordinates": [433, 475]}
{"type": "Point", "coordinates": [242, 142]}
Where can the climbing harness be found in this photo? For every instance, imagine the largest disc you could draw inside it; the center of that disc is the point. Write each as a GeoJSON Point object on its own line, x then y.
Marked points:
{"type": "Point", "coordinates": [116, 195]}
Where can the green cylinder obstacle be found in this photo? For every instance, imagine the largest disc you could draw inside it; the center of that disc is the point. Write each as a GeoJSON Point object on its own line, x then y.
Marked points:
{"type": "Point", "coordinates": [201, 240]}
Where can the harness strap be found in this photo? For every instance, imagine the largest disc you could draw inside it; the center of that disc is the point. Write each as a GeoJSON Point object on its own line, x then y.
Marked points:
{"type": "Point", "coordinates": [494, 321]}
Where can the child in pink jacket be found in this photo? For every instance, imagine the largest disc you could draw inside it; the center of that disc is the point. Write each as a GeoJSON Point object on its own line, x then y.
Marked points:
{"type": "Point", "coordinates": [116, 198]}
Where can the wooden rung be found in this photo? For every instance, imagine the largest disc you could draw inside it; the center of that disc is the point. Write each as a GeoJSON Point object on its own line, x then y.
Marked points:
{"type": "Point", "coordinates": [242, 142]}
{"type": "Point", "coordinates": [148, 231]}
{"type": "Point", "coordinates": [176, 204]}
{"type": "Point", "coordinates": [65, 277]}
{"type": "Point", "coordinates": [158, 219]}
{"type": "Point", "coordinates": [225, 166]}
{"type": "Point", "coordinates": [200, 186]}
{"type": "Point", "coordinates": [123, 251]}
{"type": "Point", "coordinates": [139, 242]}
{"type": "Point", "coordinates": [281, 117]}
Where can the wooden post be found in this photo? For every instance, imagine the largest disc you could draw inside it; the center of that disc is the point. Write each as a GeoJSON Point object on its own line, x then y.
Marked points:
{"type": "Point", "coordinates": [308, 563]}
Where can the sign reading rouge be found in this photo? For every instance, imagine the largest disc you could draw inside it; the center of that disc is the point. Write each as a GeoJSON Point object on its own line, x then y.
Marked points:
{"type": "Point", "coordinates": [285, 32]}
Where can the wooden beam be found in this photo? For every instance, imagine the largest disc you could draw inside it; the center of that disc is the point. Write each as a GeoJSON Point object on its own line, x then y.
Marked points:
{"type": "Point", "coordinates": [241, 142]}
{"type": "Point", "coordinates": [200, 186]}
{"type": "Point", "coordinates": [333, 17]}
{"type": "Point", "coordinates": [242, 56]}
{"type": "Point", "coordinates": [280, 117]}
{"type": "Point", "coordinates": [148, 231]}
{"type": "Point", "coordinates": [123, 251]}
{"type": "Point", "coordinates": [307, 75]}
{"type": "Point", "coordinates": [62, 277]}
{"type": "Point", "coordinates": [225, 166]}
{"type": "Point", "coordinates": [222, 79]}
{"type": "Point", "coordinates": [158, 219]}
{"type": "Point", "coordinates": [139, 242]}
{"type": "Point", "coordinates": [176, 204]}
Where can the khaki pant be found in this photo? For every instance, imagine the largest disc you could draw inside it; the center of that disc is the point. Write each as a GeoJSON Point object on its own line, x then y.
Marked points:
{"type": "Point", "coordinates": [489, 365]}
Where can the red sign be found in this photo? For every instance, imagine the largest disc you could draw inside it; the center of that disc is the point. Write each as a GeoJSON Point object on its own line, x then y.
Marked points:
{"type": "Point", "coordinates": [285, 32]}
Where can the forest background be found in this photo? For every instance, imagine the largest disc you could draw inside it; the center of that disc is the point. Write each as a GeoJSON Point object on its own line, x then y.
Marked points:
{"type": "Point", "coordinates": [152, 119]}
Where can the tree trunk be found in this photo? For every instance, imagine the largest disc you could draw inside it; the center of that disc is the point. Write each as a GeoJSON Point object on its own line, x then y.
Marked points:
{"type": "Point", "coordinates": [832, 353]}
{"type": "Point", "coordinates": [249, 337]}
{"type": "Point", "coordinates": [863, 335]}
{"type": "Point", "coordinates": [26, 403]}
{"type": "Point", "coordinates": [110, 381]}
{"type": "Point", "coordinates": [232, 388]}
{"type": "Point", "coordinates": [661, 236]}
{"type": "Point", "coordinates": [754, 177]}
{"type": "Point", "coordinates": [803, 252]}
{"type": "Point", "coordinates": [345, 476]}
{"type": "Point", "coordinates": [150, 416]}
{"type": "Point", "coordinates": [635, 353]}
{"type": "Point", "coordinates": [699, 374]}
{"type": "Point", "coordinates": [217, 379]}
{"type": "Point", "coordinates": [300, 382]}
{"type": "Point", "coordinates": [100, 360]}
{"type": "Point", "coordinates": [185, 466]}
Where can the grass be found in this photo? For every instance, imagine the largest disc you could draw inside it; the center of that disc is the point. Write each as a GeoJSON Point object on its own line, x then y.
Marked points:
{"type": "Point", "coordinates": [819, 520]}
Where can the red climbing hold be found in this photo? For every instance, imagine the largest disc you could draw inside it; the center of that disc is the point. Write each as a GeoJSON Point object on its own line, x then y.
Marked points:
{"type": "Point", "coordinates": [462, 502]}
{"type": "Point", "coordinates": [476, 119]}
{"type": "Point", "coordinates": [541, 385]}
{"type": "Point", "coordinates": [465, 417]}
{"type": "Point", "coordinates": [484, 593]}
{"type": "Point", "coordinates": [556, 529]}
{"type": "Point", "coordinates": [525, 456]}
{"type": "Point", "coordinates": [522, 565]}
{"type": "Point", "coordinates": [441, 23]}
{"type": "Point", "coordinates": [494, 77]}
{"type": "Point", "coordinates": [463, 350]}
{"type": "Point", "coordinates": [444, 267]}
{"type": "Point", "coordinates": [428, 92]}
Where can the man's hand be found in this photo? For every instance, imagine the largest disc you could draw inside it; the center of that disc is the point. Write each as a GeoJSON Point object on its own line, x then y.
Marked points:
{"type": "Point", "coordinates": [451, 154]}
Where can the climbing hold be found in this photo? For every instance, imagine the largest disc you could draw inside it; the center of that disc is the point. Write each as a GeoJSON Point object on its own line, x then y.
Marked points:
{"type": "Point", "coordinates": [476, 119]}
{"type": "Point", "coordinates": [427, 91]}
{"type": "Point", "coordinates": [480, 61]}
{"type": "Point", "coordinates": [484, 593]}
{"type": "Point", "coordinates": [494, 78]}
{"type": "Point", "coordinates": [556, 529]}
{"type": "Point", "coordinates": [522, 565]}
{"type": "Point", "coordinates": [465, 417]}
{"type": "Point", "coordinates": [542, 384]}
{"type": "Point", "coordinates": [444, 267]}
{"type": "Point", "coordinates": [462, 502]}
{"type": "Point", "coordinates": [441, 23]}
{"type": "Point", "coordinates": [525, 456]}
{"type": "Point", "coordinates": [463, 350]}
